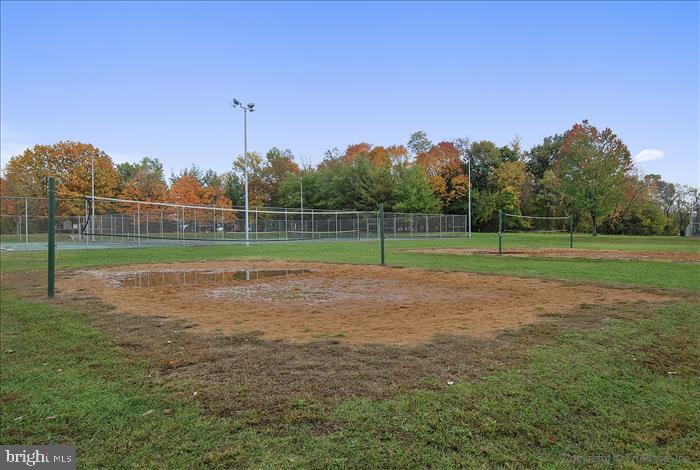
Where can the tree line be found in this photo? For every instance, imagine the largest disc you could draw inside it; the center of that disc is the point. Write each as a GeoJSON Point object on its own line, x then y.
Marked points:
{"type": "Point", "coordinates": [584, 172]}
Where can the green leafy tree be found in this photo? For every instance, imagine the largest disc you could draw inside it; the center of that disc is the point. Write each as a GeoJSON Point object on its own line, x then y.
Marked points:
{"type": "Point", "coordinates": [485, 209]}
{"type": "Point", "coordinates": [143, 181]}
{"type": "Point", "coordinates": [413, 192]}
{"type": "Point", "coordinates": [194, 172]}
{"type": "Point", "coordinates": [592, 170]}
{"type": "Point", "coordinates": [152, 166]}
{"type": "Point", "coordinates": [419, 143]}
{"type": "Point", "coordinates": [485, 158]}
{"type": "Point", "coordinates": [278, 164]}
{"type": "Point", "coordinates": [687, 199]}
{"type": "Point", "coordinates": [542, 157]}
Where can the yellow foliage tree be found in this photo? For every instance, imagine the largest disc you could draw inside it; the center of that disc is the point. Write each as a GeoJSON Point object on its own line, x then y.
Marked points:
{"type": "Point", "coordinates": [69, 162]}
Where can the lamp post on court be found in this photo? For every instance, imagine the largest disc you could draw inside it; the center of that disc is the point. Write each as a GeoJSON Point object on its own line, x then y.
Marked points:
{"type": "Point", "coordinates": [246, 108]}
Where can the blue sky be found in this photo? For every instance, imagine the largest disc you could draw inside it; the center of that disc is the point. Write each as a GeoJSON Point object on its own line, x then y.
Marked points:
{"type": "Point", "coordinates": [155, 79]}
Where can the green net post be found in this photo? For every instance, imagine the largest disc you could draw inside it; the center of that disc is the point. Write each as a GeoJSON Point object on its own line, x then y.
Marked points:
{"type": "Point", "coordinates": [500, 231]}
{"type": "Point", "coordinates": [381, 232]}
{"type": "Point", "coordinates": [52, 237]}
{"type": "Point", "coordinates": [571, 231]}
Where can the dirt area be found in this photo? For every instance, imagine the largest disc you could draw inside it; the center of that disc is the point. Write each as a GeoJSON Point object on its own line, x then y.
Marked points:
{"type": "Point", "coordinates": [353, 304]}
{"type": "Point", "coordinates": [571, 253]}
{"type": "Point", "coordinates": [263, 382]}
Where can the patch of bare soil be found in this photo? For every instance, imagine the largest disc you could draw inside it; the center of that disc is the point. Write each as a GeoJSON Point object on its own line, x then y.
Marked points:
{"type": "Point", "coordinates": [357, 304]}
{"type": "Point", "coordinates": [690, 257]}
{"type": "Point", "coordinates": [261, 380]}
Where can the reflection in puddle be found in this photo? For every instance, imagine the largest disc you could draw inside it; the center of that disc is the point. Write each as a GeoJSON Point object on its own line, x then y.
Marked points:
{"type": "Point", "coordinates": [199, 277]}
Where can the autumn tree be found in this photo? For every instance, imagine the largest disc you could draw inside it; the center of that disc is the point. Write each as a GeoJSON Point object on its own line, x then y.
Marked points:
{"type": "Point", "coordinates": [187, 190]}
{"type": "Point", "coordinates": [143, 181]}
{"type": "Point", "coordinates": [278, 164]}
{"type": "Point", "coordinates": [443, 165]}
{"type": "Point", "coordinates": [398, 155]}
{"type": "Point", "coordinates": [70, 163]}
{"type": "Point", "coordinates": [194, 171]}
{"type": "Point", "coordinates": [636, 212]}
{"type": "Point", "coordinates": [419, 143]}
{"type": "Point", "coordinates": [592, 170]}
{"type": "Point", "coordinates": [379, 157]}
{"type": "Point", "coordinates": [354, 150]}
{"type": "Point", "coordinates": [257, 196]}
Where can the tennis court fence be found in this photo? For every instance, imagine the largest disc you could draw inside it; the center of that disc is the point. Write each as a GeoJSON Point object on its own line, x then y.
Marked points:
{"type": "Point", "coordinates": [122, 222]}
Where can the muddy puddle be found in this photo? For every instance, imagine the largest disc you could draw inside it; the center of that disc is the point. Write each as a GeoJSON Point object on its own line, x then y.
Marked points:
{"type": "Point", "coordinates": [197, 277]}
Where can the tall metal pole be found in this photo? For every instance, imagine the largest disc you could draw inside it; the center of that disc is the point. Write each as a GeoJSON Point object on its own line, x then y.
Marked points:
{"type": "Point", "coordinates": [249, 107]}
{"type": "Point", "coordinates": [381, 233]}
{"type": "Point", "coordinates": [92, 211]}
{"type": "Point", "coordinates": [245, 157]}
{"type": "Point", "coordinates": [469, 222]}
{"type": "Point", "coordinates": [571, 231]}
{"type": "Point", "coordinates": [26, 220]}
{"type": "Point", "coordinates": [52, 237]}
{"type": "Point", "coordinates": [301, 199]}
{"type": "Point", "coordinates": [500, 232]}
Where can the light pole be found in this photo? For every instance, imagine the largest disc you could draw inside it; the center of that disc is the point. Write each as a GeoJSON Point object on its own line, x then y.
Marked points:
{"type": "Point", "coordinates": [249, 107]}
{"type": "Point", "coordinates": [301, 199]}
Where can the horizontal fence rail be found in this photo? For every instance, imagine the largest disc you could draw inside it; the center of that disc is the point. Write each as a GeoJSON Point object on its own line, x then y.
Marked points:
{"type": "Point", "coordinates": [121, 222]}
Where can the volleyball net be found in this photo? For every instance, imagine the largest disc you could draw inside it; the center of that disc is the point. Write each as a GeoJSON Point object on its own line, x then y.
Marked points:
{"type": "Point", "coordinates": [556, 231]}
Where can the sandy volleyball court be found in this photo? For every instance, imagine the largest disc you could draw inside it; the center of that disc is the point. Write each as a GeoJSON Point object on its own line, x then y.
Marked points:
{"type": "Point", "coordinates": [360, 304]}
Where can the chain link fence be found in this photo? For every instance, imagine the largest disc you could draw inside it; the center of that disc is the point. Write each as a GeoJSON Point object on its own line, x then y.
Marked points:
{"type": "Point", "coordinates": [120, 222]}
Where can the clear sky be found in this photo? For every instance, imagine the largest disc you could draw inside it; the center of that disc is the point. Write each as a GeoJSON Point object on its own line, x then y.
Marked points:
{"type": "Point", "coordinates": [156, 78]}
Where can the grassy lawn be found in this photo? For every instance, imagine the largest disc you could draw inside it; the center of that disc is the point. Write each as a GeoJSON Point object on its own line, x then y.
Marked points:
{"type": "Point", "coordinates": [627, 390]}
{"type": "Point", "coordinates": [647, 273]}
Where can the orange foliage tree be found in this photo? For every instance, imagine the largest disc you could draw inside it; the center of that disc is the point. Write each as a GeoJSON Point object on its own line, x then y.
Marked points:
{"type": "Point", "coordinates": [143, 181]}
{"type": "Point", "coordinates": [354, 150]}
{"type": "Point", "coordinates": [69, 162]}
{"type": "Point", "coordinates": [188, 190]}
{"type": "Point", "coordinates": [379, 156]}
{"type": "Point", "coordinates": [445, 170]}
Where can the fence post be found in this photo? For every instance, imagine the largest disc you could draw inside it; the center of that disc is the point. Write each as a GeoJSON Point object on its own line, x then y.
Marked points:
{"type": "Point", "coordinates": [52, 236]}
{"type": "Point", "coordinates": [26, 220]}
{"type": "Point", "coordinates": [500, 229]}
{"type": "Point", "coordinates": [571, 231]}
{"type": "Point", "coordinates": [381, 232]}
{"type": "Point", "coordinates": [138, 222]}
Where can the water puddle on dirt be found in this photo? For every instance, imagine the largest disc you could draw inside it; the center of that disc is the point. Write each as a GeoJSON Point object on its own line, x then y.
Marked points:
{"type": "Point", "coordinates": [200, 277]}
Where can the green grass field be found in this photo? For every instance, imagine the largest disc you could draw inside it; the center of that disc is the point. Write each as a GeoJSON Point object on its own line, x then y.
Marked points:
{"type": "Point", "coordinates": [618, 386]}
